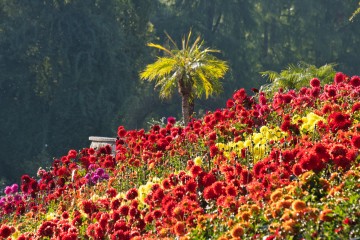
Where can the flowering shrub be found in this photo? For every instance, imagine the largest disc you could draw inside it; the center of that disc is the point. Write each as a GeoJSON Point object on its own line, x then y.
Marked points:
{"type": "Point", "coordinates": [280, 168]}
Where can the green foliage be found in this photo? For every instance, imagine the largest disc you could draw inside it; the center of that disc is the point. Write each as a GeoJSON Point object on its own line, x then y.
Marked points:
{"type": "Point", "coordinates": [297, 76]}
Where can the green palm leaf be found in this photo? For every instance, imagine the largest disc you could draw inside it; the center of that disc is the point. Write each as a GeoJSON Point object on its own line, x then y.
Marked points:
{"type": "Point", "coordinates": [160, 47]}
{"type": "Point", "coordinates": [159, 69]}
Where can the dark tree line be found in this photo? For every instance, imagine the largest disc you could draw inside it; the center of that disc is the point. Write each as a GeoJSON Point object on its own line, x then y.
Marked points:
{"type": "Point", "coordinates": [69, 68]}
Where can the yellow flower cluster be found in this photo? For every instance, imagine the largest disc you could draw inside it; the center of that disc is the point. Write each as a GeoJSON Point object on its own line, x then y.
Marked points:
{"type": "Point", "coordinates": [309, 122]}
{"type": "Point", "coordinates": [145, 189]}
{"type": "Point", "coordinates": [257, 143]}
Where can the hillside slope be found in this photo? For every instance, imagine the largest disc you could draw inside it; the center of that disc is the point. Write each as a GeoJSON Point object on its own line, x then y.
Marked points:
{"type": "Point", "coordinates": [284, 168]}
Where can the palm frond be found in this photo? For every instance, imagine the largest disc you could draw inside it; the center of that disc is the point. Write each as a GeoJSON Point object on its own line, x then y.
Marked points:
{"type": "Point", "coordinates": [214, 69]}
{"type": "Point", "coordinates": [160, 47]}
{"type": "Point", "coordinates": [357, 11]}
{"type": "Point", "coordinates": [159, 69]}
{"type": "Point", "coordinates": [204, 83]}
{"type": "Point", "coordinates": [167, 86]}
{"type": "Point", "coordinates": [209, 50]}
{"type": "Point", "coordinates": [271, 75]}
{"type": "Point", "coordinates": [171, 40]}
{"type": "Point", "coordinates": [188, 40]}
{"type": "Point", "coordinates": [196, 44]}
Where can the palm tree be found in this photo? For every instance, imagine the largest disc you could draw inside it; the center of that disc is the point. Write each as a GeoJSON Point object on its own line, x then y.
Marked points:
{"type": "Point", "coordinates": [192, 70]}
{"type": "Point", "coordinates": [297, 76]}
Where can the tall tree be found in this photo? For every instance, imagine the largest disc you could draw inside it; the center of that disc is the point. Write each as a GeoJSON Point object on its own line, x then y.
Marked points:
{"type": "Point", "coordinates": [66, 67]}
{"type": "Point", "coordinates": [191, 69]}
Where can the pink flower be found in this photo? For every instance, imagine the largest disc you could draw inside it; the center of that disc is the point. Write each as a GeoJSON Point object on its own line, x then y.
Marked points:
{"type": "Point", "coordinates": [339, 77]}
{"type": "Point", "coordinates": [171, 120]}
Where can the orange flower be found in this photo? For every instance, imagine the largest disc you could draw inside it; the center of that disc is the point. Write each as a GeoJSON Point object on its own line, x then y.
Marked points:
{"type": "Point", "coordinates": [163, 232]}
{"type": "Point", "coordinates": [333, 176]}
{"type": "Point", "coordinates": [274, 226]}
{"type": "Point", "coordinates": [283, 204]}
{"type": "Point", "coordinates": [237, 231]}
{"type": "Point", "coordinates": [306, 176]}
{"type": "Point", "coordinates": [289, 225]}
{"type": "Point", "coordinates": [276, 195]}
{"type": "Point", "coordinates": [268, 214]}
{"type": "Point", "coordinates": [230, 223]}
{"type": "Point", "coordinates": [298, 205]}
{"type": "Point", "coordinates": [324, 215]}
{"type": "Point", "coordinates": [324, 183]}
{"type": "Point", "coordinates": [288, 214]}
{"type": "Point", "coordinates": [313, 213]}
{"type": "Point", "coordinates": [246, 216]}
{"type": "Point", "coordinates": [222, 238]}
{"type": "Point", "coordinates": [255, 209]}
{"type": "Point", "coordinates": [287, 197]}
{"type": "Point", "coordinates": [179, 229]}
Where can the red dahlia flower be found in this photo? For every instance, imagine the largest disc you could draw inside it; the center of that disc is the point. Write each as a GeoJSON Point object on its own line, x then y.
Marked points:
{"type": "Point", "coordinates": [315, 82]}
{"type": "Point", "coordinates": [195, 170]}
{"type": "Point", "coordinates": [230, 103]}
{"type": "Point", "coordinates": [231, 191]}
{"type": "Point", "coordinates": [297, 170]}
{"type": "Point", "coordinates": [171, 120]}
{"type": "Point", "coordinates": [46, 229]}
{"type": "Point", "coordinates": [246, 177]}
{"type": "Point", "coordinates": [5, 231]}
{"type": "Point", "coordinates": [355, 107]}
{"type": "Point", "coordinates": [312, 162]}
{"type": "Point", "coordinates": [339, 121]}
{"type": "Point", "coordinates": [355, 81]}
{"type": "Point", "coordinates": [356, 141]}
{"type": "Point", "coordinates": [180, 229]}
{"type": "Point", "coordinates": [209, 193]}
{"type": "Point", "coordinates": [339, 77]}
{"type": "Point", "coordinates": [213, 150]}
{"type": "Point", "coordinates": [132, 194]}
{"type": "Point", "coordinates": [330, 91]}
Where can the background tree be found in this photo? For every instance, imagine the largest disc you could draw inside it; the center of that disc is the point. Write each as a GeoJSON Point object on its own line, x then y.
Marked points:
{"type": "Point", "coordinates": [191, 69]}
{"type": "Point", "coordinates": [66, 68]}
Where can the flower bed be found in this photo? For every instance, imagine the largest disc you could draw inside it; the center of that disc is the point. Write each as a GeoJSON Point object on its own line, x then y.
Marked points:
{"type": "Point", "coordinates": [281, 168]}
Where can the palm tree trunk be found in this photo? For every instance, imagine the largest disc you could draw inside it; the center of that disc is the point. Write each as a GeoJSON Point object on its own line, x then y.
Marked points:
{"type": "Point", "coordinates": [186, 108]}
{"type": "Point", "coordinates": [191, 106]}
